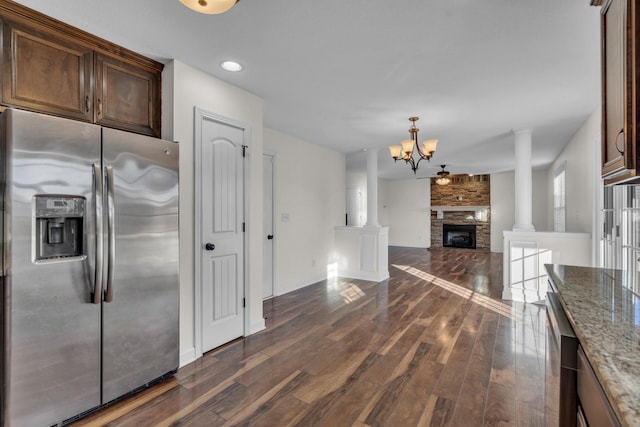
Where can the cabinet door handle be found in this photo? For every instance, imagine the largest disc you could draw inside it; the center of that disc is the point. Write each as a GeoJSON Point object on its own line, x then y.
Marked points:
{"type": "Point", "coordinates": [99, 107]}
{"type": "Point", "coordinates": [86, 103]}
{"type": "Point", "coordinates": [617, 138]}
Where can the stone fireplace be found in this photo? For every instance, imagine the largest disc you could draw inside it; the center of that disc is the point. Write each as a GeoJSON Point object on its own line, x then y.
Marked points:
{"type": "Point", "coordinates": [461, 213]}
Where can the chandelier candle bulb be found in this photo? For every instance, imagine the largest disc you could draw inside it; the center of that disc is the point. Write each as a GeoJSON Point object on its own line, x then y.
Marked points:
{"type": "Point", "coordinates": [395, 151]}
{"type": "Point", "coordinates": [430, 146]}
{"type": "Point", "coordinates": [407, 147]}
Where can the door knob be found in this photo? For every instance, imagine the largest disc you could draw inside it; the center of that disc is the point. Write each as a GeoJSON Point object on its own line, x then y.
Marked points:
{"type": "Point", "coordinates": [270, 237]}
{"type": "Point", "coordinates": [209, 246]}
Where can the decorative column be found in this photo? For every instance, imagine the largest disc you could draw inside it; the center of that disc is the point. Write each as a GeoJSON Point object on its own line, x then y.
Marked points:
{"type": "Point", "coordinates": [363, 252]}
{"type": "Point", "coordinates": [523, 182]}
{"type": "Point", "coordinates": [372, 188]}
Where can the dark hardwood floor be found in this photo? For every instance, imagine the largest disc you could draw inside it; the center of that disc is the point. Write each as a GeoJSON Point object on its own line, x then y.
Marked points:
{"type": "Point", "coordinates": [432, 346]}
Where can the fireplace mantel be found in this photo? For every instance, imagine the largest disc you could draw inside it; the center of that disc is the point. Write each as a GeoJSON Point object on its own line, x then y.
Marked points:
{"type": "Point", "coordinates": [459, 208]}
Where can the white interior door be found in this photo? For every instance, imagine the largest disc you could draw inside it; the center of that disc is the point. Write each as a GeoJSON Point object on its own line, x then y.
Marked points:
{"type": "Point", "coordinates": [222, 241]}
{"type": "Point", "coordinates": [355, 207]}
{"type": "Point", "coordinates": [267, 277]}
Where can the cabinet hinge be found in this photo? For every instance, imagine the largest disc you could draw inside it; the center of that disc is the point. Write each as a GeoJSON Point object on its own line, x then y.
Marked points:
{"type": "Point", "coordinates": [244, 150]}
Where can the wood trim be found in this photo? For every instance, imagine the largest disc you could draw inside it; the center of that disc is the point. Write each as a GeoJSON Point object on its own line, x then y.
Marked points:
{"type": "Point", "coordinates": [15, 12]}
{"type": "Point", "coordinates": [603, 3]}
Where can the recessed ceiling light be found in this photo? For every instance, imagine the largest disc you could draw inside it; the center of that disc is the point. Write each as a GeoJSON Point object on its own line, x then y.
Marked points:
{"type": "Point", "coordinates": [231, 66]}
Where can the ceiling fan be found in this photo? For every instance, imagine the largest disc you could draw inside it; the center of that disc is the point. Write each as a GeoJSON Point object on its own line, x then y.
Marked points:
{"type": "Point", "coordinates": [443, 176]}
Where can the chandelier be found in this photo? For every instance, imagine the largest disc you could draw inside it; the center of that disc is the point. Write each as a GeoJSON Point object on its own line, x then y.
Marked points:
{"type": "Point", "coordinates": [406, 149]}
{"type": "Point", "coordinates": [210, 7]}
{"type": "Point", "coordinates": [443, 176]}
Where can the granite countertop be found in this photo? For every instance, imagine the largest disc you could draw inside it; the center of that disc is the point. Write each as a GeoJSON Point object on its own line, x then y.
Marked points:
{"type": "Point", "coordinates": [603, 307]}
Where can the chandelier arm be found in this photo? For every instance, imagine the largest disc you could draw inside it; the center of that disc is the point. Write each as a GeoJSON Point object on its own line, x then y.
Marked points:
{"type": "Point", "coordinates": [426, 156]}
{"type": "Point", "coordinates": [418, 162]}
{"type": "Point", "coordinates": [412, 164]}
{"type": "Point", "coordinates": [422, 156]}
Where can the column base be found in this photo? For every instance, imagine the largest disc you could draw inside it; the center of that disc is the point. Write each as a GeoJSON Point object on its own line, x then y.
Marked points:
{"type": "Point", "coordinates": [523, 228]}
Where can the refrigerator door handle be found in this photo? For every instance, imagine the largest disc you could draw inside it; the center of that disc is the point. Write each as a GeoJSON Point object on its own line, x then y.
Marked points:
{"type": "Point", "coordinates": [98, 197]}
{"type": "Point", "coordinates": [108, 296]}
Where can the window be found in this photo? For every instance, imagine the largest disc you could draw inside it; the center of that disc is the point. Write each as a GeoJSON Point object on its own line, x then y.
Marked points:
{"type": "Point", "coordinates": [559, 201]}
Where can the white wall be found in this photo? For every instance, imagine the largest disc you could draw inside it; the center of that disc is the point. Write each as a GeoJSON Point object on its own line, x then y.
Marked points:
{"type": "Point", "coordinates": [580, 177]}
{"type": "Point", "coordinates": [184, 88]}
{"type": "Point", "coordinates": [503, 205]}
{"type": "Point", "coordinates": [408, 204]}
{"type": "Point", "coordinates": [539, 200]}
{"type": "Point", "coordinates": [310, 190]}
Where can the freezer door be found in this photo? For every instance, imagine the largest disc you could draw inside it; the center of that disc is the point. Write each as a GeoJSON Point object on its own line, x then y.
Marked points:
{"type": "Point", "coordinates": [140, 307]}
{"type": "Point", "coordinates": [51, 345]}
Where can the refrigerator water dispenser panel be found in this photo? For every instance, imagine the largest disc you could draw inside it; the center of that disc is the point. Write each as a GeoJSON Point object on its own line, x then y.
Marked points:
{"type": "Point", "coordinates": [58, 227]}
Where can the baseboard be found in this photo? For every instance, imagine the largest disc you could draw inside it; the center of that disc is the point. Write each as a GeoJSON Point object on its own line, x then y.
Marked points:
{"type": "Point", "coordinates": [187, 356]}
{"type": "Point", "coordinates": [319, 278]}
{"type": "Point", "coordinates": [365, 275]}
{"type": "Point", "coordinates": [257, 326]}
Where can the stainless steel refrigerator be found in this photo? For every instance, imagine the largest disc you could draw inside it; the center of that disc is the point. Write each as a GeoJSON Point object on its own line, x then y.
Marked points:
{"type": "Point", "coordinates": [89, 265]}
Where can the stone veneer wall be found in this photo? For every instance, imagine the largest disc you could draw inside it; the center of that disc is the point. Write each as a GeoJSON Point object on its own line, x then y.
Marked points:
{"type": "Point", "coordinates": [462, 191]}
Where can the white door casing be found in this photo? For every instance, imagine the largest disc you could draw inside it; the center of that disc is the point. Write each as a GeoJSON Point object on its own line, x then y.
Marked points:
{"type": "Point", "coordinates": [219, 232]}
{"type": "Point", "coordinates": [268, 243]}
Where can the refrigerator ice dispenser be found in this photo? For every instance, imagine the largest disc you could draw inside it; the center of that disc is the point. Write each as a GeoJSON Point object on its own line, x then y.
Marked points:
{"type": "Point", "coordinates": [58, 227]}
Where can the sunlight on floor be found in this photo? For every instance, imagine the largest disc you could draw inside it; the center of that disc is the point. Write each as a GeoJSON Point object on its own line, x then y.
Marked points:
{"type": "Point", "coordinates": [351, 293]}
{"type": "Point", "coordinates": [491, 304]}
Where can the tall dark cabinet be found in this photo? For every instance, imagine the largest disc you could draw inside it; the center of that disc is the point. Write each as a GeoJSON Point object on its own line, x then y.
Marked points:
{"type": "Point", "coordinates": [53, 68]}
{"type": "Point", "coordinates": [620, 78]}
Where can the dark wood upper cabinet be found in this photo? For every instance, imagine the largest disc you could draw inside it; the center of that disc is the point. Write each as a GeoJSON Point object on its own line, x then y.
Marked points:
{"type": "Point", "coordinates": [127, 97]}
{"type": "Point", "coordinates": [620, 78]}
{"type": "Point", "coordinates": [43, 73]}
{"type": "Point", "coordinates": [53, 68]}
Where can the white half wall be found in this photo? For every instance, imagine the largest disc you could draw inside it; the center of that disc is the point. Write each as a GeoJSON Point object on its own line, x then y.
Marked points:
{"type": "Point", "coordinates": [184, 88]}
{"type": "Point", "coordinates": [408, 204]}
{"type": "Point", "coordinates": [310, 201]}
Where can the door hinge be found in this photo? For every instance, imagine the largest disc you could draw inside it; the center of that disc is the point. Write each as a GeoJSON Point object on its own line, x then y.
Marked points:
{"type": "Point", "coordinates": [244, 302]}
{"type": "Point", "coordinates": [243, 227]}
{"type": "Point", "coordinates": [244, 150]}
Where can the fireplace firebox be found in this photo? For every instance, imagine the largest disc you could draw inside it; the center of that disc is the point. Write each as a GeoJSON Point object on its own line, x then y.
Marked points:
{"type": "Point", "coordinates": [459, 236]}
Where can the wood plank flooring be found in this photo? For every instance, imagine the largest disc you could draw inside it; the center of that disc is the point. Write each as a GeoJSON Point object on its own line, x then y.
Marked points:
{"type": "Point", "coordinates": [432, 346]}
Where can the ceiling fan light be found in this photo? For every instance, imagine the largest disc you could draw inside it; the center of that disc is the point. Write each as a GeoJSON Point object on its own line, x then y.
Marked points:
{"type": "Point", "coordinates": [210, 7]}
{"type": "Point", "coordinates": [443, 180]}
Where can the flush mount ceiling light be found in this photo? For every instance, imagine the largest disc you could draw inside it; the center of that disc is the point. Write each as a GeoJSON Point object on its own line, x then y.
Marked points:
{"type": "Point", "coordinates": [231, 66]}
{"type": "Point", "coordinates": [443, 176]}
{"type": "Point", "coordinates": [406, 149]}
{"type": "Point", "coordinates": [210, 7]}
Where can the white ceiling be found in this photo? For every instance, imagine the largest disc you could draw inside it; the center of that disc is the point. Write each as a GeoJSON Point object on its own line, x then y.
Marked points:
{"type": "Point", "coordinates": [346, 74]}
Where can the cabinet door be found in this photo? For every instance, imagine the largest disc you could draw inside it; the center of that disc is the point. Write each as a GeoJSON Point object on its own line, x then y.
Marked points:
{"type": "Point", "coordinates": [618, 145]}
{"type": "Point", "coordinates": [44, 73]}
{"type": "Point", "coordinates": [127, 97]}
